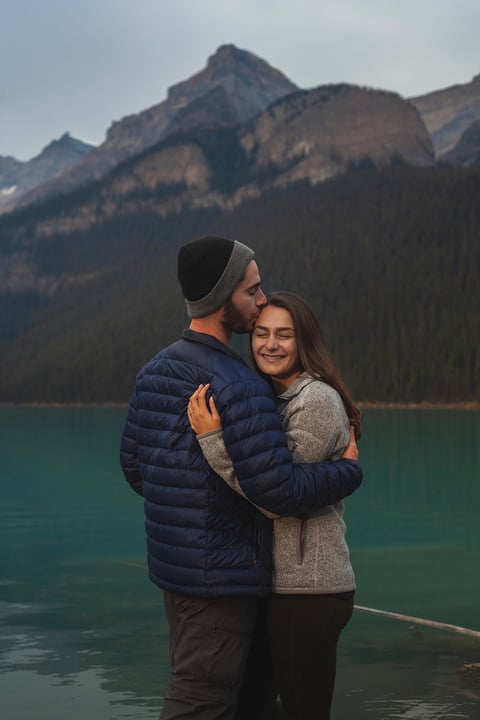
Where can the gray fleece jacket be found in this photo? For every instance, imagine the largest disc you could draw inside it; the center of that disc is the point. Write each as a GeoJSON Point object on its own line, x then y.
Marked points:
{"type": "Point", "coordinates": [310, 555]}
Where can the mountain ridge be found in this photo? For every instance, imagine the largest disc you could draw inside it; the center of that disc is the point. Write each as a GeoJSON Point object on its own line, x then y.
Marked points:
{"type": "Point", "coordinates": [307, 136]}
{"type": "Point", "coordinates": [233, 87]}
{"type": "Point", "coordinates": [251, 84]}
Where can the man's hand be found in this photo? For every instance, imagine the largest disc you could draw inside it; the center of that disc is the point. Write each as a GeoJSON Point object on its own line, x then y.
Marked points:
{"type": "Point", "coordinates": [351, 451]}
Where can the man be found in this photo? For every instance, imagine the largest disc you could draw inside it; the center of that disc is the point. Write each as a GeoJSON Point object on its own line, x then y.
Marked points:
{"type": "Point", "coordinates": [208, 548]}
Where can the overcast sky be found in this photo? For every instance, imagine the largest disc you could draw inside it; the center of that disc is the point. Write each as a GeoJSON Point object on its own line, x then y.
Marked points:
{"type": "Point", "coordinates": [78, 65]}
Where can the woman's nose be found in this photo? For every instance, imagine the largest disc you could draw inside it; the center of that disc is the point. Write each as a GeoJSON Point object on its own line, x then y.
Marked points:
{"type": "Point", "coordinates": [271, 341]}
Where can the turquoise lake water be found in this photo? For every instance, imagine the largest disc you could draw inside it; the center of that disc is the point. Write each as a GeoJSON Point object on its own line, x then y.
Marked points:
{"type": "Point", "coordinates": [82, 631]}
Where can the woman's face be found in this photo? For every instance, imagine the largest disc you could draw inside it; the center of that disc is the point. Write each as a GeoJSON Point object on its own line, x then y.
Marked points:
{"type": "Point", "coordinates": [274, 345]}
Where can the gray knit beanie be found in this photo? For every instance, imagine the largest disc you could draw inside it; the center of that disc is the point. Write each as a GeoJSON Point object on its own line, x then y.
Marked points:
{"type": "Point", "coordinates": [209, 270]}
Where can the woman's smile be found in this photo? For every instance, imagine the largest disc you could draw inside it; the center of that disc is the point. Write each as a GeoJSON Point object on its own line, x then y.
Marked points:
{"type": "Point", "coordinates": [272, 358]}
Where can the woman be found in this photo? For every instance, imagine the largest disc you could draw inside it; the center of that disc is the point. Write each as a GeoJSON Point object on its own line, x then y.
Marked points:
{"type": "Point", "coordinates": [313, 583]}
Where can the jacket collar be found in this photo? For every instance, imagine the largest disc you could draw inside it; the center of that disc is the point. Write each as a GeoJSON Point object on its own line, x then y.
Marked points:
{"type": "Point", "coordinates": [296, 387]}
{"type": "Point", "coordinates": [205, 339]}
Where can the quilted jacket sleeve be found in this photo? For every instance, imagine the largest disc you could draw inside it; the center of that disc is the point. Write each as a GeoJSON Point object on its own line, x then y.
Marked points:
{"type": "Point", "coordinates": [215, 453]}
{"type": "Point", "coordinates": [128, 450]}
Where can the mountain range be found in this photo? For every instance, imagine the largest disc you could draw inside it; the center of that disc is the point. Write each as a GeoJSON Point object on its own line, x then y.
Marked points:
{"type": "Point", "coordinates": [233, 88]}
{"type": "Point", "coordinates": [388, 185]}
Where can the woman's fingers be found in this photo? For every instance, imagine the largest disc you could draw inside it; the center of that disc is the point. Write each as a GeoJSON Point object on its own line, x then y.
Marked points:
{"type": "Point", "coordinates": [213, 409]}
{"type": "Point", "coordinates": [351, 451]}
{"type": "Point", "coordinates": [203, 414]}
{"type": "Point", "coordinates": [197, 398]}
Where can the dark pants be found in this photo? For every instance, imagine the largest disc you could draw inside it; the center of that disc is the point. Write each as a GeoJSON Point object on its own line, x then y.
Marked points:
{"type": "Point", "coordinates": [304, 632]}
{"type": "Point", "coordinates": [219, 659]}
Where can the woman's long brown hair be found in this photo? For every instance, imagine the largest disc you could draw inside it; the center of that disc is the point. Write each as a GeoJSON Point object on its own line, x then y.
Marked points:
{"type": "Point", "coordinates": [313, 353]}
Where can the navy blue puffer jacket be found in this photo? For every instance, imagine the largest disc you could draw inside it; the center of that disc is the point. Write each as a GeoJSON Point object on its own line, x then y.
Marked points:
{"type": "Point", "coordinates": [202, 538]}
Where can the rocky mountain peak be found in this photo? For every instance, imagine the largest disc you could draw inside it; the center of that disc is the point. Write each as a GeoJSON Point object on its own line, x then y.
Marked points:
{"type": "Point", "coordinates": [228, 53]}
{"type": "Point", "coordinates": [67, 149]}
{"type": "Point", "coordinates": [229, 59]}
{"type": "Point", "coordinates": [250, 83]}
{"type": "Point", "coordinates": [67, 142]}
{"type": "Point", "coordinates": [18, 178]}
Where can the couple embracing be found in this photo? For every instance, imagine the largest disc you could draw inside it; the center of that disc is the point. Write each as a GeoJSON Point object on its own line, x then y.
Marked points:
{"type": "Point", "coordinates": [243, 475]}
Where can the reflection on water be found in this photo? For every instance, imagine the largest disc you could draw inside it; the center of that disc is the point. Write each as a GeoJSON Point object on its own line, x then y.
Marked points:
{"type": "Point", "coordinates": [395, 670]}
{"type": "Point", "coordinates": [415, 709]}
{"type": "Point", "coordinates": [81, 695]}
{"type": "Point", "coordinates": [98, 649]}
{"type": "Point", "coordinates": [82, 629]}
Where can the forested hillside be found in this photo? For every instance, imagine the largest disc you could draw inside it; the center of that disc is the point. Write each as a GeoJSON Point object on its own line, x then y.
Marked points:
{"type": "Point", "coordinates": [390, 261]}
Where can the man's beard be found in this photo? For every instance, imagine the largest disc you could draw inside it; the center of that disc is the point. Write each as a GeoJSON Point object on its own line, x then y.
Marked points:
{"type": "Point", "coordinates": [234, 321]}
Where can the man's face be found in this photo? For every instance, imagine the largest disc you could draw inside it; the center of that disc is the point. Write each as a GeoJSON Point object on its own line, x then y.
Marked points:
{"type": "Point", "coordinates": [243, 308]}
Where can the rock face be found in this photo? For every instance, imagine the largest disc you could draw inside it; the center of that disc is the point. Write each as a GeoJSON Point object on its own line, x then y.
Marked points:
{"type": "Point", "coordinates": [321, 133]}
{"type": "Point", "coordinates": [235, 86]}
{"type": "Point", "coordinates": [239, 81]}
{"type": "Point", "coordinates": [448, 113]}
{"type": "Point", "coordinates": [308, 136]}
{"type": "Point", "coordinates": [467, 151]}
{"type": "Point", "coordinates": [18, 178]}
{"type": "Point", "coordinates": [249, 83]}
